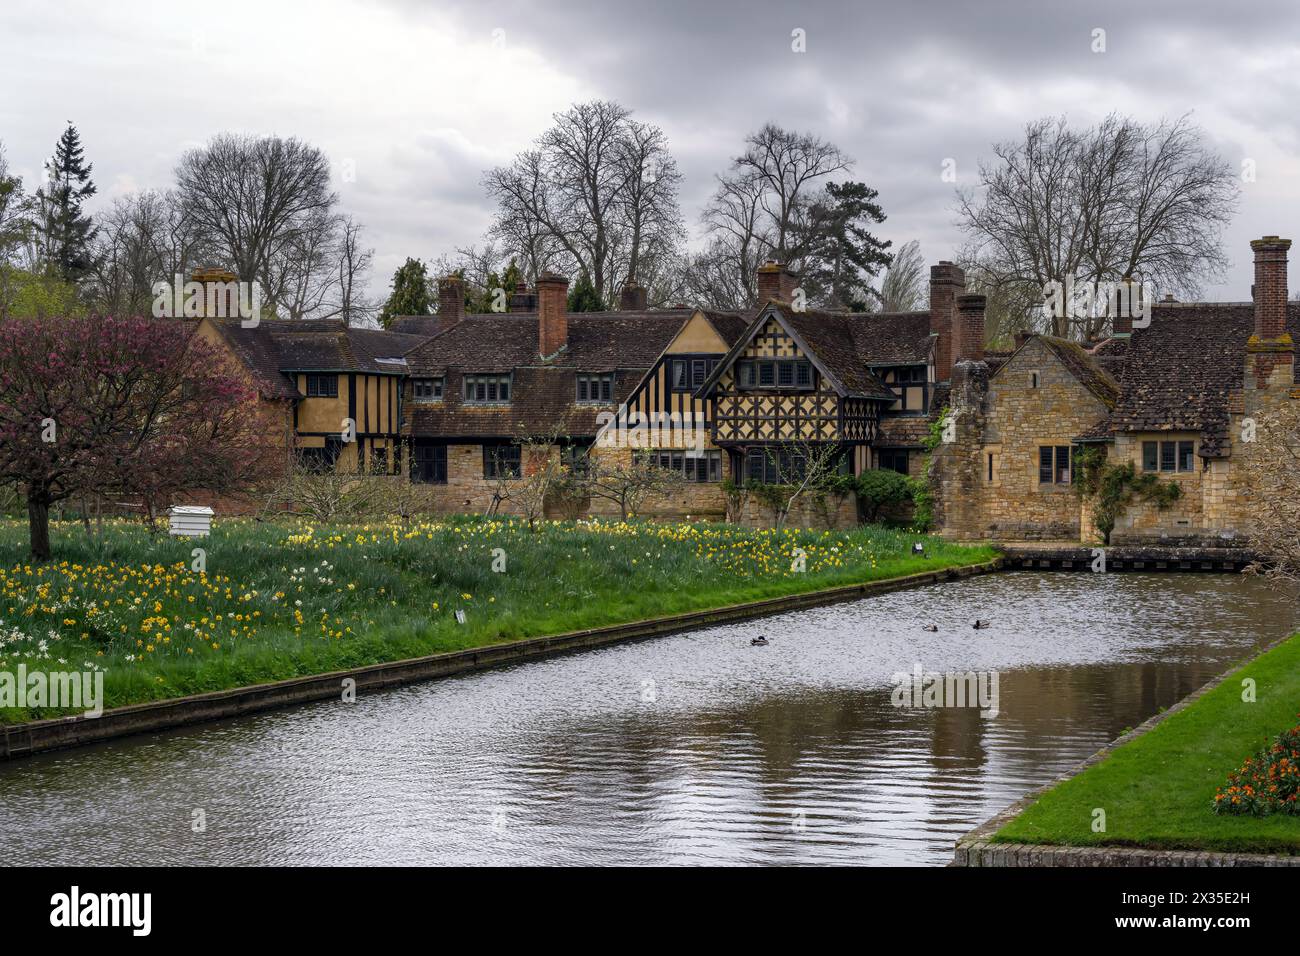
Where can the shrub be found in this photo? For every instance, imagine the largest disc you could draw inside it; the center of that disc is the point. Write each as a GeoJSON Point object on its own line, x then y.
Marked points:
{"type": "Point", "coordinates": [881, 488]}
{"type": "Point", "coordinates": [1268, 782]}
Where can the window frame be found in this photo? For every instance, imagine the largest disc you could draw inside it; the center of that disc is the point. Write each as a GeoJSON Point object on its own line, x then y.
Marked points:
{"type": "Point", "coordinates": [316, 379]}
{"type": "Point", "coordinates": [435, 457]}
{"type": "Point", "coordinates": [436, 384]}
{"type": "Point", "coordinates": [887, 459]}
{"type": "Point", "coordinates": [777, 374]}
{"type": "Point", "coordinates": [1049, 463]}
{"type": "Point", "coordinates": [490, 382]}
{"type": "Point", "coordinates": [583, 383]}
{"type": "Point", "coordinates": [686, 464]}
{"type": "Point", "coordinates": [493, 459]}
{"type": "Point", "coordinates": [1168, 456]}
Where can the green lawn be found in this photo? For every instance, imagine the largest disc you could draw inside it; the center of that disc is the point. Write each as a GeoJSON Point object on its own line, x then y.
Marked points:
{"type": "Point", "coordinates": [1158, 790]}
{"type": "Point", "coordinates": [286, 600]}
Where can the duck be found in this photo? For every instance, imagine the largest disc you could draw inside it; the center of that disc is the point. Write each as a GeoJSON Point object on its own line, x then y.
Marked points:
{"type": "Point", "coordinates": [932, 628]}
{"type": "Point", "coordinates": [758, 642]}
{"type": "Point", "coordinates": [980, 625]}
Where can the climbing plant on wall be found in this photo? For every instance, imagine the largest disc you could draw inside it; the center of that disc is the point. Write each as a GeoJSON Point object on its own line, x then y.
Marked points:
{"type": "Point", "coordinates": [1115, 487]}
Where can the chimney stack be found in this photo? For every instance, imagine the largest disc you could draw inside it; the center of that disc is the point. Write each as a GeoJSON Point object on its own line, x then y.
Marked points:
{"type": "Point", "coordinates": [1270, 287]}
{"type": "Point", "coordinates": [552, 313]}
{"type": "Point", "coordinates": [970, 328]}
{"type": "Point", "coordinates": [522, 300]}
{"type": "Point", "coordinates": [451, 301]}
{"type": "Point", "coordinates": [632, 299]}
{"type": "Point", "coordinates": [220, 292]}
{"type": "Point", "coordinates": [946, 280]}
{"type": "Point", "coordinates": [1124, 305]}
{"type": "Point", "coordinates": [775, 281]}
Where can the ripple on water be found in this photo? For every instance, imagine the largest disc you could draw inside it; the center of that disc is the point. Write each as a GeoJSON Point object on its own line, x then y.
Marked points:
{"type": "Point", "coordinates": [689, 749]}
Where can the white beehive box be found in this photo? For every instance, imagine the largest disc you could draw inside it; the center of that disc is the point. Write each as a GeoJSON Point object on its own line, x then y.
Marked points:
{"type": "Point", "coordinates": [190, 521]}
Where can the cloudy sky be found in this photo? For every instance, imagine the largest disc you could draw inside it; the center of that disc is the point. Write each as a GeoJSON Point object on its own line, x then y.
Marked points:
{"type": "Point", "coordinates": [412, 100]}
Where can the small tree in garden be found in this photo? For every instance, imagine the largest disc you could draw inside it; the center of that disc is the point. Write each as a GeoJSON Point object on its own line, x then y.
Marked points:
{"type": "Point", "coordinates": [138, 407]}
{"type": "Point", "coordinates": [627, 483]}
{"type": "Point", "coordinates": [803, 468]}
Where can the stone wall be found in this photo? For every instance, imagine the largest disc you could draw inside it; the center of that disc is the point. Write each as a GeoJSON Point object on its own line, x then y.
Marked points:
{"type": "Point", "coordinates": [1006, 417]}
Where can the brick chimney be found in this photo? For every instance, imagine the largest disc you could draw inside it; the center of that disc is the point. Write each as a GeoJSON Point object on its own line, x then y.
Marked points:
{"type": "Point", "coordinates": [451, 301]}
{"type": "Point", "coordinates": [552, 313]}
{"type": "Point", "coordinates": [1124, 304]}
{"type": "Point", "coordinates": [970, 328]}
{"type": "Point", "coordinates": [632, 299]}
{"type": "Point", "coordinates": [1270, 353]}
{"type": "Point", "coordinates": [946, 281]}
{"type": "Point", "coordinates": [220, 292]}
{"type": "Point", "coordinates": [522, 300]}
{"type": "Point", "coordinates": [775, 281]}
{"type": "Point", "coordinates": [1270, 287]}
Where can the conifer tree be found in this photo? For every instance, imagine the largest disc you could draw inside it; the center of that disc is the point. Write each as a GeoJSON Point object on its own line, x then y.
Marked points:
{"type": "Point", "coordinates": [65, 229]}
{"type": "Point", "coordinates": [410, 295]}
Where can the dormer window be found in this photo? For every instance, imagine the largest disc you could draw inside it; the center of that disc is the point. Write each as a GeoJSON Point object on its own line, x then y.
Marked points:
{"type": "Point", "coordinates": [428, 389]}
{"type": "Point", "coordinates": [487, 389]}
{"type": "Point", "coordinates": [595, 389]}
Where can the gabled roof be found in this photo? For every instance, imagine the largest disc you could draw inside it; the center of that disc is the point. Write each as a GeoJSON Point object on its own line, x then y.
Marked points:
{"type": "Point", "coordinates": [843, 345]}
{"type": "Point", "coordinates": [1078, 361]}
{"type": "Point", "coordinates": [274, 348]}
{"type": "Point", "coordinates": [597, 341]}
{"type": "Point", "coordinates": [1184, 370]}
{"type": "Point", "coordinates": [543, 392]}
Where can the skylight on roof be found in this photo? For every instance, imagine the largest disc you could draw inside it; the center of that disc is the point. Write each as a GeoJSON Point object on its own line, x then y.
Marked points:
{"type": "Point", "coordinates": [391, 361]}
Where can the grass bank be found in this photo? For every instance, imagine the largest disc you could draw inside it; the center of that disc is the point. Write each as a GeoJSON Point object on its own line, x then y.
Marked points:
{"type": "Point", "coordinates": [1158, 790]}
{"type": "Point", "coordinates": [265, 602]}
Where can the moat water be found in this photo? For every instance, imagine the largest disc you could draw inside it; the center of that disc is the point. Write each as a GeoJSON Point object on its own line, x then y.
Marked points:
{"type": "Point", "coordinates": [698, 748]}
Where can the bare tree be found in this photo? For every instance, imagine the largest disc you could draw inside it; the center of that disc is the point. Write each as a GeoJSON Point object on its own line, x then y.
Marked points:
{"type": "Point", "coordinates": [143, 238]}
{"type": "Point", "coordinates": [803, 467]}
{"type": "Point", "coordinates": [597, 196]}
{"type": "Point", "coordinates": [354, 307]}
{"type": "Point", "coordinates": [264, 202]}
{"type": "Point", "coordinates": [1096, 205]}
{"type": "Point", "coordinates": [904, 288]}
{"type": "Point", "coordinates": [627, 483]}
{"type": "Point", "coordinates": [757, 211]}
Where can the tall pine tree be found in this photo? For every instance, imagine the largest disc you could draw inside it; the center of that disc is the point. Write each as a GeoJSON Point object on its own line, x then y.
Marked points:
{"type": "Point", "coordinates": [66, 231]}
{"type": "Point", "coordinates": [841, 255]}
{"type": "Point", "coordinates": [410, 295]}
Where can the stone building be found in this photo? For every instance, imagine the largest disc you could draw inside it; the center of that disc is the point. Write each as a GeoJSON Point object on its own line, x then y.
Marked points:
{"type": "Point", "coordinates": [731, 399]}
{"type": "Point", "coordinates": [1174, 396]}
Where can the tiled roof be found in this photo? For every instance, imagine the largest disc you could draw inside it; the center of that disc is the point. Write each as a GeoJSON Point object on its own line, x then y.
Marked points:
{"type": "Point", "coordinates": [543, 394]}
{"type": "Point", "coordinates": [847, 344]}
{"type": "Point", "coordinates": [1185, 370]}
{"type": "Point", "coordinates": [1085, 368]}
{"type": "Point", "coordinates": [598, 341]}
{"type": "Point", "coordinates": [729, 325]}
{"type": "Point", "coordinates": [276, 346]}
{"type": "Point", "coordinates": [415, 324]}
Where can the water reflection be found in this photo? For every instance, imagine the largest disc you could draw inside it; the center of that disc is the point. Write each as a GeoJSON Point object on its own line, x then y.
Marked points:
{"type": "Point", "coordinates": [696, 748]}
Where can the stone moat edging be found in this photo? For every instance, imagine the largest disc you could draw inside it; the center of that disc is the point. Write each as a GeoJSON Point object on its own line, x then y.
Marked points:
{"type": "Point", "coordinates": [977, 849]}
{"type": "Point", "coordinates": [20, 740]}
{"type": "Point", "coordinates": [1125, 558]}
